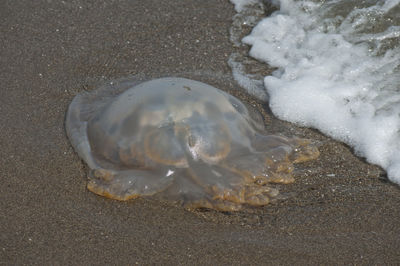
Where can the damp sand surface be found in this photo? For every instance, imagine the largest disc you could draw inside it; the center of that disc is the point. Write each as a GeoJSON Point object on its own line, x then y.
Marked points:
{"type": "Point", "coordinates": [339, 210]}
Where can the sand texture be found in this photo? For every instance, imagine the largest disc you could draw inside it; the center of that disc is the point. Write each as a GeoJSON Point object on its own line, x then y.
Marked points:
{"type": "Point", "coordinates": [340, 210]}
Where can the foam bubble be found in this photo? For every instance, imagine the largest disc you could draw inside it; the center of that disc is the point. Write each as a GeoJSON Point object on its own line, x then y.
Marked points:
{"type": "Point", "coordinates": [241, 4]}
{"type": "Point", "coordinates": [338, 71]}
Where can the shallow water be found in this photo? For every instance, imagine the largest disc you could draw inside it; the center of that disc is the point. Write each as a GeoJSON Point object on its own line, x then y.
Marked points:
{"type": "Point", "coordinates": [337, 69]}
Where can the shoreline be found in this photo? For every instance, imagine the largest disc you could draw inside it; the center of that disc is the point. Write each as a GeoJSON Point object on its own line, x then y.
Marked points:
{"type": "Point", "coordinates": [339, 210]}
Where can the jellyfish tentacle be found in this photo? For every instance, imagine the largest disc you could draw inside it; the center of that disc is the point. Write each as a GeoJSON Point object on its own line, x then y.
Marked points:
{"type": "Point", "coordinates": [127, 184]}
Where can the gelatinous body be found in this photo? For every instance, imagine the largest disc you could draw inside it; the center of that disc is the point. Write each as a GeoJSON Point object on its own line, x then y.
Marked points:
{"type": "Point", "coordinates": [179, 139]}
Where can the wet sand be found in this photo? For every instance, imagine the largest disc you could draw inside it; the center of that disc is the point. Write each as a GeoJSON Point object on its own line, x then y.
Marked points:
{"type": "Point", "coordinates": [340, 210]}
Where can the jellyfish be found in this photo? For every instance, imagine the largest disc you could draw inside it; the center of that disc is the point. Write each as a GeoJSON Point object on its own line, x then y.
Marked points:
{"type": "Point", "coordinates": [180, 140]}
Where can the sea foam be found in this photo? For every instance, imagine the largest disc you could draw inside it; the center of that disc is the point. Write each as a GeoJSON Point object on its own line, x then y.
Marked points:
{"type": "Point", "coordinates": [337, 71]}
{"type": "Point", "coordinates": [241, 4]}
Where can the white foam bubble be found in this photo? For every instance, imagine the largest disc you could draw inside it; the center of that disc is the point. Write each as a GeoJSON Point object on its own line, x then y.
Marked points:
{"type": "Point", "coordinates": [241, 4]}
{"type": "Point", "coordinates": [253, 85]}
{"type": "Point", "coordinates": [338, 71]}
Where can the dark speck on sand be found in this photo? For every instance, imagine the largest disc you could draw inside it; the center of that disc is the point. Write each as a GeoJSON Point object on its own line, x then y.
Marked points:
{"type": "Point", "coordinates": [340, 210]}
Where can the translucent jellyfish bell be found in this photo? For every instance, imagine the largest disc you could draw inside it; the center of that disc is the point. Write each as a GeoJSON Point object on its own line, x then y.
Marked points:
{"type": "Point", "coordinates": [182, 140]}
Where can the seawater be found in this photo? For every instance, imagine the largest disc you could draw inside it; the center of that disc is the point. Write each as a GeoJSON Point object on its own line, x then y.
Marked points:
{"type": "Point", "coordinates": [337, 69]}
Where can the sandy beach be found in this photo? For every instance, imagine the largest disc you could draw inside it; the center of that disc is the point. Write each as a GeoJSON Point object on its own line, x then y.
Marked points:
{"type": "Point", "coordinates": [340, 210]}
